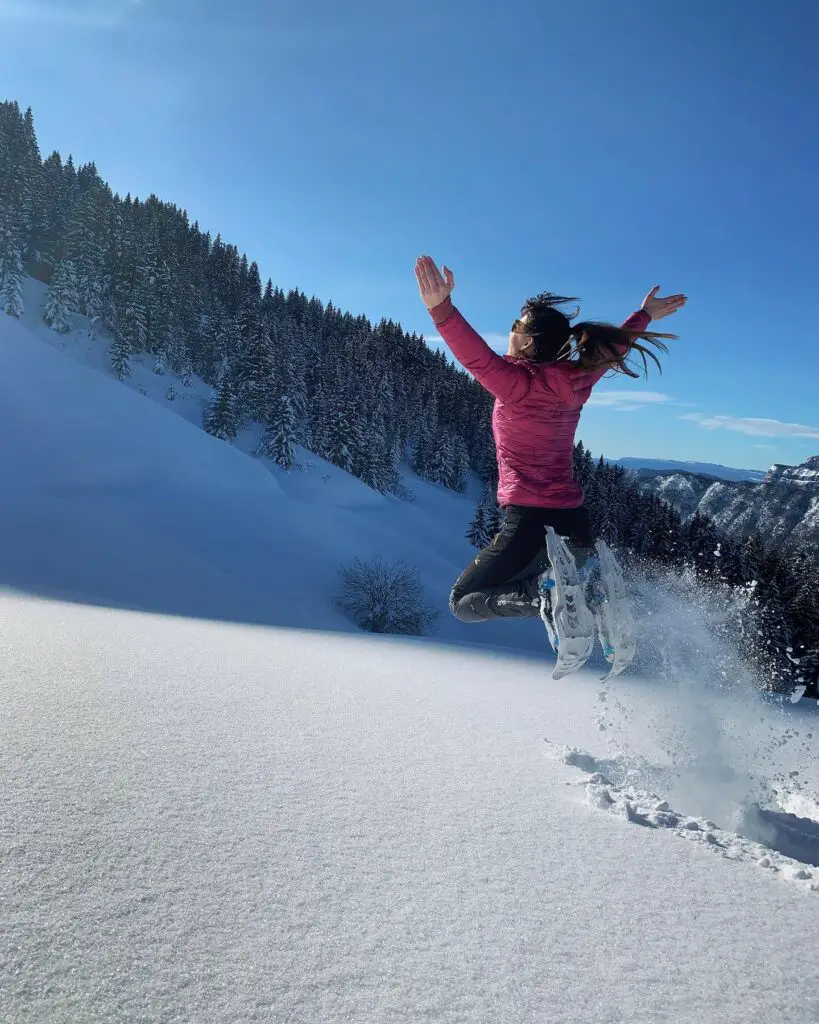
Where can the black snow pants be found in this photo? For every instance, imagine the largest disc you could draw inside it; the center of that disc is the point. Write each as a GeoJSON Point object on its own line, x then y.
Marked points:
{"type": "Point", "coordinates": [502, 580]}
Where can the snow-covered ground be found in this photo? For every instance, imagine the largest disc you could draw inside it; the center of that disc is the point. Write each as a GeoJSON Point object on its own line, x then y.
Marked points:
{"type": "Point", "coordinates": [220, 803]}
{"type": "Point", "coordinates": [215, 822]}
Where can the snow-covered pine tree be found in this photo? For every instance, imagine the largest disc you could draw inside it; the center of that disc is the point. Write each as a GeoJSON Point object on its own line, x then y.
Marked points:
{"type": "Point", "coordinates": [583, 464]}
{"type": "Point", "coordinates": [221, 419]}
{"type": "Point", "coordinates": [120, 358]}
{"type": "Point", "coordinates": [701, 541]}
{"type": "Point", "coordinates": [607, 506]}
{"type": "Point", "coordinates": [134, 327]}
{"type": "Point", "coordinates": [440, 461]}
{"type": "Point", "coordinates": [280, 436]}
{"type": "Point", "coordinates": [379, 465]}
{"type": "Point", "coordinates": [83, 245]}
{"type": "Point", "coordinates": [339, 433]}
{"type": "Point", "coordinates": [753, 553]}
{"type": "Point", "coordinates": [62, 300]}
{"type": "Point", "coordinates": [665, 528]}
{"type": "Point", "coordinates": [477, 532]}
{"type": "Point", "coordinates": [421, 452]}
{"type": "Point", "coordinates": [459, 464]}
{"type": "Point", "coordinates": [12, 284]}
{"type": "Point", "coordinates": [389, 476]}
{"type": "Point", "coordinates": [804, 617]}
{"type": "Point", "coordinates": [486, 522]}
{"type": "Point", "coordinates": [636, 536]}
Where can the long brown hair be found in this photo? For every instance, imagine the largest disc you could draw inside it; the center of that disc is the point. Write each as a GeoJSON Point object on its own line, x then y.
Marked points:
{"type": "Point", "coordinates": [587, 343]}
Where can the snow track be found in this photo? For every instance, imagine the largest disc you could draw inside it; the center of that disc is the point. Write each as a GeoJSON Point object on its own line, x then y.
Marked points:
{"type": "Point", "coordinates": [779, 842]}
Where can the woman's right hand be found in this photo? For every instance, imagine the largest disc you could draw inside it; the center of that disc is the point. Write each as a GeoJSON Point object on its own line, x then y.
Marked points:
{"type": "Point", "coordinates": [434, 287]}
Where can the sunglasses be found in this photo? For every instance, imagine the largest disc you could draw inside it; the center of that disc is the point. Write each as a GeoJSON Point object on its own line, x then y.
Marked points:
{"type": "Point", "coordinates": [519, 327]}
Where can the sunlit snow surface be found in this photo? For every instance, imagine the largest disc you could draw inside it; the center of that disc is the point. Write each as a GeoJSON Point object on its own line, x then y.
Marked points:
{"type": "Point", "coordinates": [271, 818]}
{"type": "Point", "coordinates": [211, 822]}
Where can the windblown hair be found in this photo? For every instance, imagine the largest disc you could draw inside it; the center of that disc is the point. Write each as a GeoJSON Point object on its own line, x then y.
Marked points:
{"type": "Point", "coordinates": [587, 343]}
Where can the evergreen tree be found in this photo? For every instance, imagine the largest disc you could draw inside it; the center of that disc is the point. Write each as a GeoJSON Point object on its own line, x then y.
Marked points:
{"type": "Point", "coordinates": [339, 432]}
{"type": "Point", "coordinates": [255, 373]}
{"type": "Point", "coordinates": [221, 419]}
{"type": "Point", "coordinates": [421, 454]}
{"type": "Point", "coordinates": [702, 543]}
{"type": "Point", "coordinates": [120, 358]}
{"type": "Point", "coordinates": [62, 300]}
{"type": "Point", "coordinates": [11, 279]}
{"type": "Point", "coordinates": [388, 476]}
{"type": "Point", "coordinates": [753, 553]}
{"type": "Point", "coordinates": [582, 464]}
{"type": "Point", "coordinates": [134, 327]}
{"type": "Point", "coordinates": [458, 464]}
{"type": "Point", "coordinates": [280, 436]}
{"type": "Point", "coordinates": [486, 522]}
{"type": "Point", "coordinates": [84, 248]}
{"type": "Point", "coordinates": [477, 533]}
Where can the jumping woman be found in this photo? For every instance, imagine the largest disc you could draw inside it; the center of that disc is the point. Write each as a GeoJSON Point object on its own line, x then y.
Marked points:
{"type": "Point", "coordinates": [540, 387]}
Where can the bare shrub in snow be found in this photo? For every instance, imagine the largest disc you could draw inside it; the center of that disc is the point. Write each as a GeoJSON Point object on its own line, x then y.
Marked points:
{"type": "Point", "coordinates": [385, 598]}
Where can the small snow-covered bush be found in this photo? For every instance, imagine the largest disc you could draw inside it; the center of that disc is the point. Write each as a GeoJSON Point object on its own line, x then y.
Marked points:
{"type": "Point", "coordinates": [384, 598]}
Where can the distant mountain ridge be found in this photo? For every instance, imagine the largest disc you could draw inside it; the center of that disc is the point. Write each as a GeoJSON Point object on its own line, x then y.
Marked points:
{"type": "Point", "coordinates": [806, 472]}
{"type": "Point", "coordinates": [783, 506]}
{"type": "Point", "coordinates": [703, 468]}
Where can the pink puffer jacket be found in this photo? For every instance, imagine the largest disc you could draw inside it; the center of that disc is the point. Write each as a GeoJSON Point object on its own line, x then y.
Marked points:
{"type": "Point", "coordinates": [537, 409]}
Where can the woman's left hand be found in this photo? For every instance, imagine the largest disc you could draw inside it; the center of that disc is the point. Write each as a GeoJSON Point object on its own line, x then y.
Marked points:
{"type": "Point", "coordinates": [657, 307]}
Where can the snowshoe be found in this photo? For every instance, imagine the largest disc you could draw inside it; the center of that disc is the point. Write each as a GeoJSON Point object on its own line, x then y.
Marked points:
{"type": "Point", "coordinates": [568, 621]}
{"type": "Point", "coordinates": [613, 612]}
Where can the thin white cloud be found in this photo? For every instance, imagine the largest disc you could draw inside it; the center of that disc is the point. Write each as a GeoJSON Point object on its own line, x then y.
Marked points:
{"type": "Point", "coordinates": [752, 426]}
{"type": "Point", "coordinates": [626, 401]}
{"type": "Point", "coordinates": [769, 447]}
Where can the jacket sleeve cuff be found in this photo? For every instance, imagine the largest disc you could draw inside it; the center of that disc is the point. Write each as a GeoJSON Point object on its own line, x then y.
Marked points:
{"type": "Point", "coordinates": [442, 312]}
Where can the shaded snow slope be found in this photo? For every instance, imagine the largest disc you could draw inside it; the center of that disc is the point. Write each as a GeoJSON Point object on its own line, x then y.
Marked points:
{"type": "Point", "coordinates": [214, 822]}
{"type": "Point", "coordinates": [119, 498]}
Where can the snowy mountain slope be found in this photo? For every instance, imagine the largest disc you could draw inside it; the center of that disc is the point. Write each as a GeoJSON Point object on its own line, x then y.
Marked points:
{"type": "Point", "coordinates": [108, 489]}
{"type": "Point", "coordinates": [806, 473]}
{"type": "Point", "coordinates": [213, 822]}
{"type": "Point", "coordinates": [784, 506]}
{"type": "Point", "coordinates": [701, 468]}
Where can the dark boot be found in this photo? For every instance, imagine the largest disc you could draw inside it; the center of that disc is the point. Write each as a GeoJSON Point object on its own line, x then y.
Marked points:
{"type": "Point", "coordinates": [505, 601]}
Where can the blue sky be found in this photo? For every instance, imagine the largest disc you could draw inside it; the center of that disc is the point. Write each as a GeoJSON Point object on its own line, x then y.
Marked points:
{"type": "Point", "coordinates": [586, 147]}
